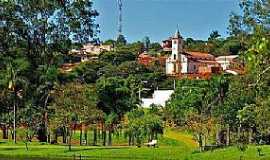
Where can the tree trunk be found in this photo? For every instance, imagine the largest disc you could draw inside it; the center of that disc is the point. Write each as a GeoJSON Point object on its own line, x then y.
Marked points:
{"type": "Point", "coordinates": [228, 136]}
{"type": "Point", "coordinates": [55, 138]}
{"type": "Point", "coordinates": [26, 146]}
{"type": "Point", "coordinates": [65, 135]}
{"type": "Point", "coordinates": [239, 132]}
{"type": "Point", "coordinates": [81, 134]}
{"type": "Point", "coordinates": [200, 142]}
{"type": "Point", "coordinates": [12, 133]}
{"type": "Point", "coordinates": [129, 139]}
{"type": "Point", "coordinates": [152, 136]}
{"type": "Point", "coordinates": [95, 137]}
{"type": "Point", "coordinates": [104, 137]}
{"type": "Point", "coordinates": [217, 136]}
{"type": "Point", "coordinates": [149, 137]}
{"type": "Point", "coordinates": [85, 136]}
{"type": "Point", "coordinates": [250, 135]}
{"type": "Point", "coordinates": [110, 138]}
{"type": "Point", "coordinates": [70, 138]}
{"type": "Point", "coordinates": [46, 119]}
{"type": "Point", "coordinates": [133, 140]}
{"type": "Point", "coordinates": [14, 122]}
{"type": "Point", "coordinates": [5, 132]}
{"type": "Point", "coordinates": [204, 141]}
{"type": "Point", "coordinates": [49, 136]}
{"type": "Point", "coordinates": [99, 134]}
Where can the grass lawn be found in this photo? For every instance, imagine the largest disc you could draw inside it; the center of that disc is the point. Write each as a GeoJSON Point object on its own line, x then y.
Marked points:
{"type": "Point", "coordinates": [173, 146]}
{"type": "Point", "coordinates": [37, 151]}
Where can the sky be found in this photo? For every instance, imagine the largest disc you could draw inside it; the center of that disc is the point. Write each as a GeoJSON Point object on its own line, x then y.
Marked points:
{"type": "Point", "coordinates": [159, 19]}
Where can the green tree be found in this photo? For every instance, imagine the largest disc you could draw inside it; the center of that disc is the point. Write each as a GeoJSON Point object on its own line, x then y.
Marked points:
{"type": "Point", "coordinates": [141, 125]}
{"type": "Point", "coordinates": [155, 47]}
{"type": "Point", "coordinates": [146, 42]}
{"type": "Point", "coordinates": [115, 98]}
{"type": "Point", "coordinates": [214, 35]}
{"type": "Point", "coordinates": [121, 40]}
{"type": "Point", "coordinates": [118, 57]}
{"type": "Point", "coordinates": [13, 79]}
{"type": "Point", "coordinates": [73, 105]}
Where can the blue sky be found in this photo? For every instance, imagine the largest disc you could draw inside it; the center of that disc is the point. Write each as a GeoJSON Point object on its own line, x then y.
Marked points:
{"type": "Point", "coordinates": [158, 19]}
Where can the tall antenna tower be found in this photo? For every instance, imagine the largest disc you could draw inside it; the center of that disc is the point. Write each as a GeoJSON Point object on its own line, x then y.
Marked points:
{"type": "Point", "coordinates": [120, 5]}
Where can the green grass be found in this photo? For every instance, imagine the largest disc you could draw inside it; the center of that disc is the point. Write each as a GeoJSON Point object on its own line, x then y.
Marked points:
{"type": "Point", "coordinates": [8, 150]}
{"type": "Point", "coordinates": [174, 145]}
{"type": "Point", "coordinates": [183, 137]}
{"type": "Point", "coordinates": [38, 151]}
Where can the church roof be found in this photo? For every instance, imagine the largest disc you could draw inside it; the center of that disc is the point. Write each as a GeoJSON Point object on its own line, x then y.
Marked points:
{"type": "Point", "coordinates": [226, 58]}
{"type": "Point", "coordinates": [200, 55]}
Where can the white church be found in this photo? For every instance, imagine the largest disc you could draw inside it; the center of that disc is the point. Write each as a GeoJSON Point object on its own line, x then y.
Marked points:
{"type": "Point", "coordinates": [181, 62]}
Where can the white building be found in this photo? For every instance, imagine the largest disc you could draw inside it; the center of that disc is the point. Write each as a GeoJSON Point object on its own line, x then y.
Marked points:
{"type": "Point", "coordinates": [181, 62]}
{"type": "Point", "coordinates": [226, 61]}
{"type": "Point", "coordinates": [159, 98]}
{"type": "Point", "coordinates": [91, 49]}
{"type": "Point", "coordinates": [173, 63]}
{"type": "Point", "coordinates": [96, 49]}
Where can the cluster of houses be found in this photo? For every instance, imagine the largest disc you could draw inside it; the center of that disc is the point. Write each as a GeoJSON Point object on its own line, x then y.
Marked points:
{"type": "Point", "coordinates": [181, 63]}
{"type": "Point", "coordinates": [88, 52]}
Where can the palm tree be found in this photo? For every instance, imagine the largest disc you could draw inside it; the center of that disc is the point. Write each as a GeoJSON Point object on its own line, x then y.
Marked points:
{"type": "Point", "coordinates": [16, 83]}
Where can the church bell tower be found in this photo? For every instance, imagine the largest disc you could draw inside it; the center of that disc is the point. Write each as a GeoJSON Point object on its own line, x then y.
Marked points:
{"type": "Point", "coordinates": [173, 63]}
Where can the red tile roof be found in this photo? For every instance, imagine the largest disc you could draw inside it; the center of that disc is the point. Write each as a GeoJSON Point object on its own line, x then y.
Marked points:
{"type": "Point", "coordinates": [200, 55]}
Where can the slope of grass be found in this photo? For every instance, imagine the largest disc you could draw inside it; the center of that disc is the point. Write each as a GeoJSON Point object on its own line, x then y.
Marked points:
{"type": "Point", "coordinates": [182, 137]}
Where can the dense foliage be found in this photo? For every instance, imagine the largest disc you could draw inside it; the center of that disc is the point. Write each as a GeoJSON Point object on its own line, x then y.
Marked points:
{"type": "Point", "coordinates": [102, 95]}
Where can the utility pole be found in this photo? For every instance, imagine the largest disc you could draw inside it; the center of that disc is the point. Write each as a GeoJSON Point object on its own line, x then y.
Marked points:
{"type": "Point", "coordinates": [120, 16]}
{"type": "Point", "coordinates": [174, 84]}
{"type": "Point", "coordinates": [14, 121]}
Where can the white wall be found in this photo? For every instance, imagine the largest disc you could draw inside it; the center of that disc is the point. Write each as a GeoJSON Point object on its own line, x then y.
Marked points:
{"type": "Point", "coordinates": [159, 98]}
{"type": "Point", "coordinates": [184, 64]}
{"type": "Point", "coordinates": [224, 64]}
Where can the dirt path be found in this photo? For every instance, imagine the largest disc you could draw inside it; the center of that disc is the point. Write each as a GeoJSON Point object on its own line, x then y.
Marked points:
{"type": "Point", "coordinates": [182, 137]}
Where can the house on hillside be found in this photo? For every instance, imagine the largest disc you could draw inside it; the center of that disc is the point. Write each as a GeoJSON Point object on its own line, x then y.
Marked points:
{"type": "Point", "coordinates": [231, 64]}
{"type": "Point", "coordinates": [89, 51]}
{"type": "Point", "coordinates": [96, 49]}
{"type": "Point", "coordinates": [147, 59]}
{"type": "Point", "coordinates": [226, 61]}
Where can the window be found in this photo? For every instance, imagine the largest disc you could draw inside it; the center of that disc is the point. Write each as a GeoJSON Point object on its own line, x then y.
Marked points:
{"type": "Point", "coordinates": [174, 57]}
{"type": "Point", "coordinates": [174, 42]}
